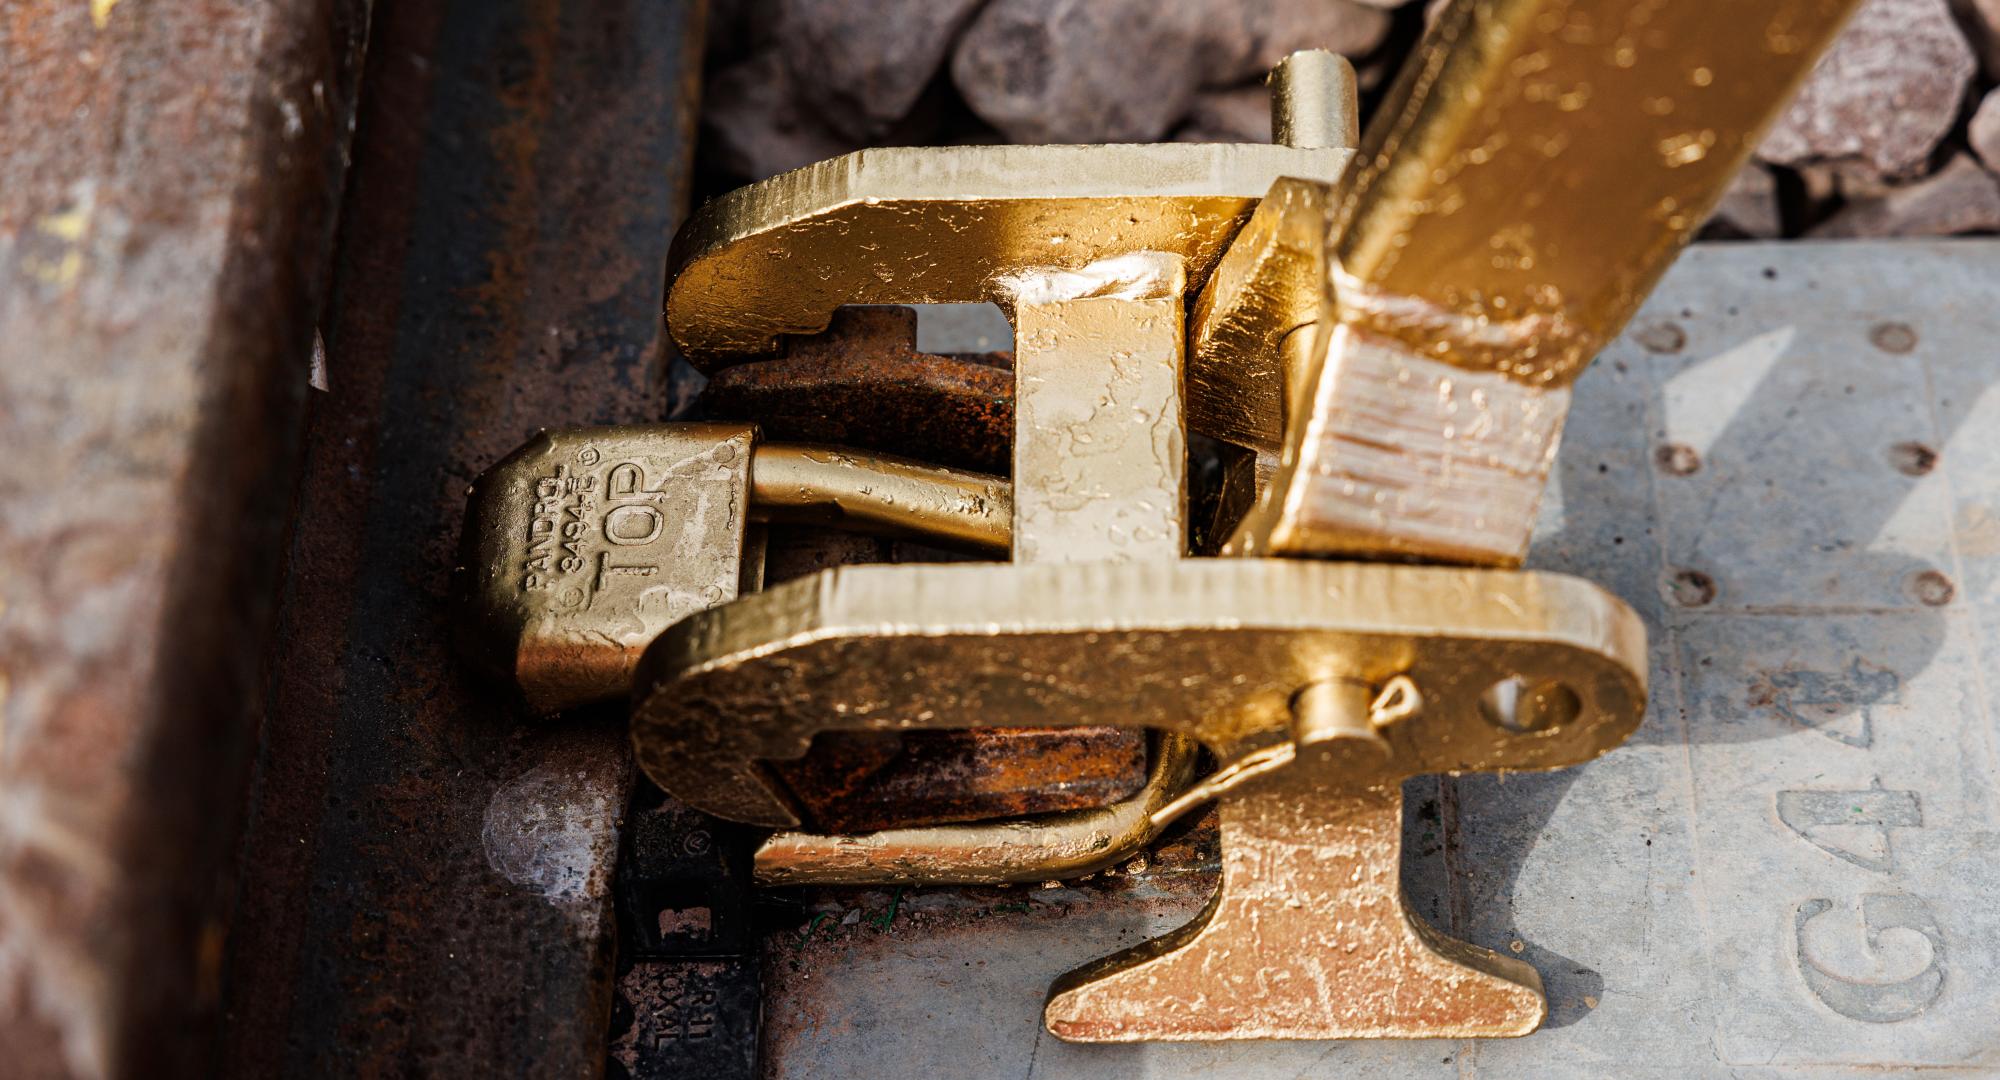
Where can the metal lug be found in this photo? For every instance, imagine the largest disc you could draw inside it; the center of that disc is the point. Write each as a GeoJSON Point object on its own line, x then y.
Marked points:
{"type": "Point", "coordinates": [584, 544]}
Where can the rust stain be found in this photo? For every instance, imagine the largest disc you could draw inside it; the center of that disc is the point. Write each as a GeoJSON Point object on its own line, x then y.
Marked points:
{"type": "Point", "coordinates": [1978, 531]}
{"type": "Point", "coordinates": [1913, 458]}
{"type": "Point", "coordinates": [863, 781]}
{"type": "Point", "coordinates": [863, 383]}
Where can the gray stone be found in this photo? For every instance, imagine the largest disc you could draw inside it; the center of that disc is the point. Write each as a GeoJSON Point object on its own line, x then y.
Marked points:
{"type": "Point", "coordinates": [755, 125]}
{"type": "Point", "coordinates": [1961, 198]}
{"type": "Point", "coordinates": [1885, 93]}
{"type": "Point", "coordinates": [1984, 131]}
{"type": "Point", "coordinates": [862, 64]}
{"type": "Point", "coordinates": [1749, 207]}
{"type": "Point", "coordinates": [1058, 71]}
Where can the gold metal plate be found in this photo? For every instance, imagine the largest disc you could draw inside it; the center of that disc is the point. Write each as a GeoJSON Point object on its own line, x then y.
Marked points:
{"type": "Point", "coordinates": [1100, 461]}
{"type": "Point", "coordinates": [1212, 648]}
{"type": "Point", "coordinates": [1308, 936]}
{"type": "Point", "coordinates": [944, 224]}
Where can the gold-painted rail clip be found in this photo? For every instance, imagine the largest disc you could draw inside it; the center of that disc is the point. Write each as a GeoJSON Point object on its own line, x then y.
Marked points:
{"type": "Point", "coordinates": [1102, 617]}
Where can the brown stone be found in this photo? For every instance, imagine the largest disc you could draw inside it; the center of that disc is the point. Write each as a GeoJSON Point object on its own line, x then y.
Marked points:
{"type": "Point", "coordinates": [862, 64]}
{"type": "Point", "coordinates": [1749, 207]}
{"type": "Point", "coordinates": [1961, 198]}
{"type": "Point", "coordinates": [1980, 19]}
{"type": "Point", "coordinates": [1984, 131]}
{"type": "Point", "coordinates": [1247, 40]}
{"type": "Point", "coordinates": [1057, 71]}
{"type": "Point", "coordinates": [1884, 94]}
{"type": "Point", "coordinates": [755, 126]}
{"type": "Point", "coordinates": [1240, 114]}
{"type": "Point", "coordinates": [1850, 178]}
{"type": "Point", "coordinates": [738, 28]}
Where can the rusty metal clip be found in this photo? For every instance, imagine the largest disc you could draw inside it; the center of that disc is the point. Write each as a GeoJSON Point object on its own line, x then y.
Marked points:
{"type": "Point", "coordinates": [1037, 849]}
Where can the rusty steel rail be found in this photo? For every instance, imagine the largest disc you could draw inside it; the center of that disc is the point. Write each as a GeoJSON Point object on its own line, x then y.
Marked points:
{"type": "Point", "coordinates": [428, 880]}
{"type": "Point", "coordinates": [167, 199]}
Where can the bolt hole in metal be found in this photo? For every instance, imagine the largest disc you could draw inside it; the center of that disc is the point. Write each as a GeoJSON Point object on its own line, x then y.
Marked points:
{"type": "Point", "coordinates": [1520, 706]}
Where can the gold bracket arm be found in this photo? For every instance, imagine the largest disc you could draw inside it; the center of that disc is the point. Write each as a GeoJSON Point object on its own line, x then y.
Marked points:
{"type": "Point", "coordinates": [1275, 665]}
{"type": "Point", "coordinates": [1213, 648]}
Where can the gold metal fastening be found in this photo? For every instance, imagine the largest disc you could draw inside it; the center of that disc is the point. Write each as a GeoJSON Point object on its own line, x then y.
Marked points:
{"type": "Point", "coordinates": [1101, 616]}
{"type": "Point", "coordinates": [1394, 347]}
{"type": "Point", "coordinates": [1217, 649]}
{"type": "Point", "coordinates": [584, 544]}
